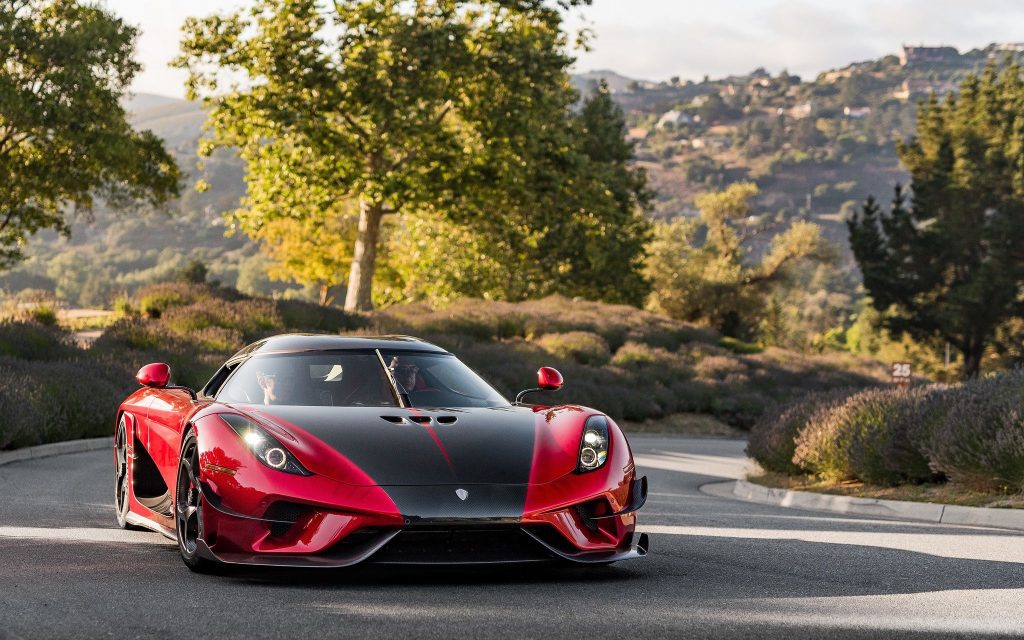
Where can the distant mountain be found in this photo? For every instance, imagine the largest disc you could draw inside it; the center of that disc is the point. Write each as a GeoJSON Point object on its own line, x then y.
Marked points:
{"type": "Point", "coordinates": [177, 121]}
{"type": "Point", "coordinates": [140, 102]}
{"type": "Point", "coordinates": [618, 83]}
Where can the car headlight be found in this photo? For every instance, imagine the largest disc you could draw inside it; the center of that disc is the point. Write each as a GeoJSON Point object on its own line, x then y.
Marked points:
{"type": "Point", "coordinates": [593, 444]}
{"type": "Point", "coordinates": [264, 446]}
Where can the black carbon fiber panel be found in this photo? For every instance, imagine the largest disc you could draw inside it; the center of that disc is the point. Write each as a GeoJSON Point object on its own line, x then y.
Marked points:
{"type": "Point", "coordinates": [484, 446]}
{"type": "Point", "coordinates": [445, 502]}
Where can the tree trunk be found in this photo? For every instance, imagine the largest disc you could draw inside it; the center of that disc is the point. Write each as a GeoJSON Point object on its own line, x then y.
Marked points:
{"type": "Point", "coordinates": [972, 358]}
{"type": "Point", "coordinates": [360, 277]}
{"type": "Point", "coordinates": [324, 294]}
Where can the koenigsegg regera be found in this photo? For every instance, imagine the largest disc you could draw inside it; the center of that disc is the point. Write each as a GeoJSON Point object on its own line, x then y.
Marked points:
{"type": "Point", "coordinates": [327, 451]}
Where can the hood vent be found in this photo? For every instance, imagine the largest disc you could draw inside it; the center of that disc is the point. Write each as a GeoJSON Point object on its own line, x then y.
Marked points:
{"type": "Point", "coordinates": [420, 419]}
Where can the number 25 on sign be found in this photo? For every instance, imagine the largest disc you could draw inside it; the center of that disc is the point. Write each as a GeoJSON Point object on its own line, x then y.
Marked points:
{"type": "Point", "coordinates": [901, 373]}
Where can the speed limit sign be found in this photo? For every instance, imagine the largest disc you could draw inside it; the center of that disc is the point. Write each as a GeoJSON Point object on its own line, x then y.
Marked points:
{"type": "Point", "coordinates": [901, 373]}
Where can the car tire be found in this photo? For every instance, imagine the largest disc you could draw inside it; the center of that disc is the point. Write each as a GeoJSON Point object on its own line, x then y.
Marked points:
{"type": "Point", "coordinates": [122, 480]}
{"type": "Point", "coordinates": [188, 508]}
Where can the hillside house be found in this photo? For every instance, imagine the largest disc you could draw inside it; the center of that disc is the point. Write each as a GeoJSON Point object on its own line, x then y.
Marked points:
{"type": "Point", "coordinates": [921, 87]}
{"type": "Point", "coordinates": [717, 143]}
{"type": "Point", "coordinates": [802, 110]}
{"type": "Point", "coordinates": [856, 113]}
{"type": "Point", "coordinates": [673, 119]}
{"type": "Point", "coordinates": [637, 133]}
{"type": "Point", "coordinates": [919, 55]}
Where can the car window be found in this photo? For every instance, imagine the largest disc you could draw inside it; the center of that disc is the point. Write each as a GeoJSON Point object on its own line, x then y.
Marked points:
{"type": "Point", "coordinates": [329, 379]}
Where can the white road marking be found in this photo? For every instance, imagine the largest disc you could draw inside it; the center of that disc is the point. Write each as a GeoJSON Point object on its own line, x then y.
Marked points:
{"type": "Point", "coordinates": [84, 534]}
{"type": "Point", "coordinates": [995, 548]}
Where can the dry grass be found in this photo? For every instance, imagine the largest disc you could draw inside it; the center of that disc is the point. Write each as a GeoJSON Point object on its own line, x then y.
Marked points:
{"type": "Point", "coordinates": [85, 319]}
{"type": "Point", "coordinates": [945, 493]}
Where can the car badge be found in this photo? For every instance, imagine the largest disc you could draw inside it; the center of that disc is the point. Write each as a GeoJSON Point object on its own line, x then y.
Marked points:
{"type": "Point", "coordinates": [462, 493]}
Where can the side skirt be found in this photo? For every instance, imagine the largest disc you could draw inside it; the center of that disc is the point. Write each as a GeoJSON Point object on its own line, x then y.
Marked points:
{"type": "Point", "coordinates": [139, 521]}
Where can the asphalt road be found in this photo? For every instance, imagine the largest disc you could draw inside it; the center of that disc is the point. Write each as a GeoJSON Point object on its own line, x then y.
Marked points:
{"type": "Point", "coordinates": [718, 568]}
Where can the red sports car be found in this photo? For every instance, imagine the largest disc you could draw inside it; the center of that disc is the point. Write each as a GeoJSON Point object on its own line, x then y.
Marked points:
{"type": "Point", "coordinates": [327, 451]}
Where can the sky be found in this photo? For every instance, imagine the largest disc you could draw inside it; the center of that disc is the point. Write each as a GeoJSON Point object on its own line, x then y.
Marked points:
{"type": "Point", "coordinates": [658, 39]}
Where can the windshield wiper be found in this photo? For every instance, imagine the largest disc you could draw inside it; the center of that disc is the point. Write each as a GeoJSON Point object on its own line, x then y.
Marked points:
{"type": "Point", "coordinates": [400, 393]}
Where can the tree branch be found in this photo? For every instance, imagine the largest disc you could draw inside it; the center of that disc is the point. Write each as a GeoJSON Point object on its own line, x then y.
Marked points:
{"type": "Point", "coordinates": [360, 132]}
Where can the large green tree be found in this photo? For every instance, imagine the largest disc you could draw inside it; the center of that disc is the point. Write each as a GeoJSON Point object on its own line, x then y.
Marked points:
{"type": "Point", "coordinates": [388, 103]}
{"type": "Point", "coordinates": [947, 263]}
{"type": "Point", "coordinates": [701, 271]}
{"type": "Point", "coordinates": [570, 215]}
{"type": "Point", "coordinates": [65, 142]}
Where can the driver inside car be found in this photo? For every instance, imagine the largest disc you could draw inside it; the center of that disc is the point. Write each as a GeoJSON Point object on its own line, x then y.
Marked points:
{"type": "Point", "coordinates": [279, 387]}
{"type": "Point", "coordinates": [404, 373]}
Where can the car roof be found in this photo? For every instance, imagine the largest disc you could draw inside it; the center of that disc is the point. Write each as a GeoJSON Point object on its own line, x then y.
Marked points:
{"type": "Point", "coordinates": [295, 342]}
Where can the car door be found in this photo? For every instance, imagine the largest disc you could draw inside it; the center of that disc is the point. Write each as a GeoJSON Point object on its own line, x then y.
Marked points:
{"type": "Point", "coordinates": [168, 412]}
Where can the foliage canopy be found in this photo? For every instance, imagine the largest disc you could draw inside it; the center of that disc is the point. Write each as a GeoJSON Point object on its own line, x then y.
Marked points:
{"type": "Point", "coordinates": [65, 141]}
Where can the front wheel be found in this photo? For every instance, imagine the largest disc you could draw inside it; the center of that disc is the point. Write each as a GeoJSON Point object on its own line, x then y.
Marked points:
{"type": "Point", "coordinates": [121, 474]}
{"type": "Point", "coordinates": [188, 507]}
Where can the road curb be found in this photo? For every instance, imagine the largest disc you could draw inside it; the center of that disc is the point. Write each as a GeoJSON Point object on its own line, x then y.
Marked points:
{"type": "Point", "coordinates": [917, 511]}
{"type": "Point", "coordinates": [55, 449]}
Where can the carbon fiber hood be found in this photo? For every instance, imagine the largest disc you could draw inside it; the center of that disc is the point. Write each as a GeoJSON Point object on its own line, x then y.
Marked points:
{"type": "Point", "coordinates": [480, 446]}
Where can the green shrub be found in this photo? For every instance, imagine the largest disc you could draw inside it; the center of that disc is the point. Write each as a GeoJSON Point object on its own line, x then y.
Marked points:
{"type": "Point", "coordinates": [44, 314]}
{"type": "Point", "coordinates": [583, 347]}
{"type": "Point", "coordinates": [251, 318]}
{"type": "Point", "coordinates": [738, 346]}
{"type": "Point", "coordinates": [306, 316]}
{"type": "Point", "coordinates": [635, 355]}
{"type": "Point", "coordinates": [54, 401]}
{"type": "Point", "coordinates": [890, 452]}
{"type": "Point", "coordinates": [721, 368]}
{"type": "Point", "coordinates": [980, 440]}
{"type": "Point", "coordinates": [123, 308]}
{"type": "Point", "coordinates": [872, 436]}
{"type": "Point", "coordinates": [156, 299]}
{"type": "Point", "coordinates": [773, 437]}
{"type": "Point", "coordinates": [33, 341]}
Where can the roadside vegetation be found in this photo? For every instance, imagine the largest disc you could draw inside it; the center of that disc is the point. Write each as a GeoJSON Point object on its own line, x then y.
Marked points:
{"type": "Point", "coordinates": [646, 369]}
{"type": "Point", "coordinates": [968, 437]}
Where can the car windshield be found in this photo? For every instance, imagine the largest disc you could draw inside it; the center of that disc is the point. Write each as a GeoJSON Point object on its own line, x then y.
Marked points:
{"type": "Point", "coordinates": [357, 379]}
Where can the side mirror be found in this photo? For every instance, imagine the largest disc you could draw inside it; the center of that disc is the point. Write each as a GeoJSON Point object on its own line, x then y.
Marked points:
{"type": "Point", "coordinates": [156, 375]}
{"type": "Point", "coordinates": [548, 379]}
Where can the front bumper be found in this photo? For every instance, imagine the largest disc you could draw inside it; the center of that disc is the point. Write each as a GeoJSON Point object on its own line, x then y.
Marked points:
{"type": "Point", "coordinates": [294, 534]}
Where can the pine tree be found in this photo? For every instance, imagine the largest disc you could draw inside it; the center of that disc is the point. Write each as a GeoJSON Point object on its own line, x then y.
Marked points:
{"type": "Point", "coordinates": [946, 264]}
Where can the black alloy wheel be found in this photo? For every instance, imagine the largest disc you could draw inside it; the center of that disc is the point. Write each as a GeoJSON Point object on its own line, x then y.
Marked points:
{"type": "Point", "coordinates": [188, 507]}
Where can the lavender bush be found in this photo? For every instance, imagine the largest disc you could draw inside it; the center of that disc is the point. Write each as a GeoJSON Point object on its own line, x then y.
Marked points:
{"type": "Point", "coordinates": [773, 438]}
{"type": "Point", "coordinates": [980, 440]}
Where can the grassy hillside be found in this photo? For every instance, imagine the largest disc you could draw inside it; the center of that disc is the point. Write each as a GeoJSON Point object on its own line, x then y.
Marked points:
{"type": "Point", "coordinates": [632, 364]}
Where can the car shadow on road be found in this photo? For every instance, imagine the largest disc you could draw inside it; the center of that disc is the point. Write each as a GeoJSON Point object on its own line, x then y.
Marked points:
{"type": "Point", "coordinates": [554, 573]}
